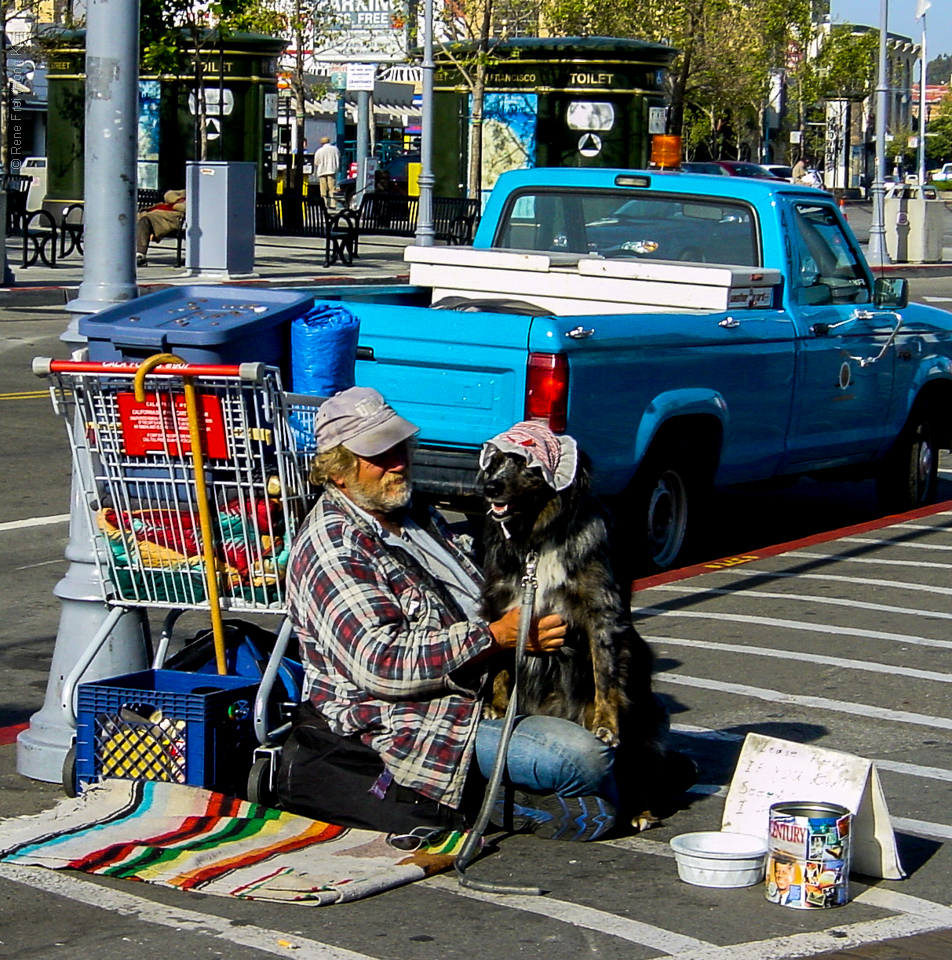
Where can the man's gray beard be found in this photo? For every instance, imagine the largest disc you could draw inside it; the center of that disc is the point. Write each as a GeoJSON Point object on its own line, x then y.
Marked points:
{"type": "Point", "coordinates": [377, 499]}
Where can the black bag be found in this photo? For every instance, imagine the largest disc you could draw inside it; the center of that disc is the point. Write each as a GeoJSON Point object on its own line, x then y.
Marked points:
{"type": "Point", "coordinates": [332, 778]}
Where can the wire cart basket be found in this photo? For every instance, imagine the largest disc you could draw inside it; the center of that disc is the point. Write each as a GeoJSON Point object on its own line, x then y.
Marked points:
{"type": "Point", "coordinates": [193, 499]}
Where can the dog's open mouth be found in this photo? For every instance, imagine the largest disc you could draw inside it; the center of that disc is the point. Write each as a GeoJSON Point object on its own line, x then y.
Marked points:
{"type": "Point", "coordinates": [500, 511]}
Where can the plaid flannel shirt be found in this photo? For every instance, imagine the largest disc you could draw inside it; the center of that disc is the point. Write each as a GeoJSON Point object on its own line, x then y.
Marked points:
{"type": "Point", "coordinates": [386, 647]}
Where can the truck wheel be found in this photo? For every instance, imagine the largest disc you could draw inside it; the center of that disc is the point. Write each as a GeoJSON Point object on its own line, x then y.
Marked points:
{"type": "Point", "coordinates": [907, 477]}
{"type": "Point", "coordinates": [664, 499]}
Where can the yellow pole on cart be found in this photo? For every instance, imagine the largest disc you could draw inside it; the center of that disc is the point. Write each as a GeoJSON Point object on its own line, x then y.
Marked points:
{"type": "Point", "coordinates": [201, 493]}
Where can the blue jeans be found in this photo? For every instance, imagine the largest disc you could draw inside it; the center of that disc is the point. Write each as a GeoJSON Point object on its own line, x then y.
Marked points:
{"type": "Point", "coordinates": [550, 755]}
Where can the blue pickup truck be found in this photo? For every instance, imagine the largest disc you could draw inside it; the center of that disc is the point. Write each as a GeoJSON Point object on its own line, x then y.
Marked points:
{"type": "Point", "coordinates": [687, 330]}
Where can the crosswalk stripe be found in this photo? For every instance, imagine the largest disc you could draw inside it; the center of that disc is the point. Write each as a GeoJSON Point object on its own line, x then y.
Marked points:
{"type": "Point", "coordinates": [743, 593]}
{"type": "Point", "coordinates": [801, 700]}
{"type": "Point", "coordinates": [795, 625]}
{"type": "Point", "coordinates": [580, 916]}
{"type": "Point", "coordinates": [869, 666]}
{"type": "Point", "coordinates": [179, 919]}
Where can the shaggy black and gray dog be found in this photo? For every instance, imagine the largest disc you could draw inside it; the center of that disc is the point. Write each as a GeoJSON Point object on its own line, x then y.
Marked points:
{"type": "Point", "coordinates": [536, 486]}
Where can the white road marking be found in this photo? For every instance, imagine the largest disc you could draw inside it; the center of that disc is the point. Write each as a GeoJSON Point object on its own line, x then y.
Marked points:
{"type": "Point", "coordinates": [834, 578]}
{"type": "Point", "coordinates": [824, 941]}
{"type": "Point", "coordinates": [801, 700]}
{"type": "Point", "coordinates": [797, 625]}
{"type": "Point", "coordinates": [839, 558]}
{"type": "Point", "coordinates": [806, 598]}
{"type": "Point", "coordinates": [893, 766]}
{"type": "Point", "coordinates": [33, 522]}
{"type": "Point", "coordinates": [922, 828]}
{"type": "Point", "coordinates": [912, 544]}
{"type": "Point", "coordinates": [870, 666]}
{"type": "Point", "coordinates": [580, 916]}
{"type": "Point", "coordinates": [178, 918]}
{"type": "Point", "coordinates": [937, 299]}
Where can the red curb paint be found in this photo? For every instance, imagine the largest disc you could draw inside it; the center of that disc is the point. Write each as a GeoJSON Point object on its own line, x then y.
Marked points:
{"type": "Point", "coordinates": [8, 735]}
{"type": "Point", "coordinates": [712, 566]}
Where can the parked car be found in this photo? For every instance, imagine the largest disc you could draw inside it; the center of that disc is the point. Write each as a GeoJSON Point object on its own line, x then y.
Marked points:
{"type": "Point", "coordinates": [694, 166]}
{"type": "Point", "coordinates": [744, 168]}
{"type": "Point", "coordinates": [942, 174]}
{"type": "Point", "coordinates": [779, 170]}
{"type": "Point", "coordinates": [396, 173]}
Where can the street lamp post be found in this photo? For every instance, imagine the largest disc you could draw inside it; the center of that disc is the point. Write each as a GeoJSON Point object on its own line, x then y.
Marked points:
{"type": "Point", "coordinates": [424, 231]}
{"type": "Point", "coordinates": [876, 250]}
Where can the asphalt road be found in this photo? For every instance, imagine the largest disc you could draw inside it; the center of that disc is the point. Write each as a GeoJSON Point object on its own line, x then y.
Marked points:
{"type": "Point", "coordinates": [842, 644]}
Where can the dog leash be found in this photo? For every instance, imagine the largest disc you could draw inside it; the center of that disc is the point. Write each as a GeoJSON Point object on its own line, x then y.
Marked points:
{"type": "Point", "coordinates": [471, 844]}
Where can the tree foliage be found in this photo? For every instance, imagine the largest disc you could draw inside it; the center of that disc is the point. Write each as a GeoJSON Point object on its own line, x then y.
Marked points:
{"type": "Point", "coordinates": [940, 69]}
{"type": "Point", "coordinates": [720, 80]}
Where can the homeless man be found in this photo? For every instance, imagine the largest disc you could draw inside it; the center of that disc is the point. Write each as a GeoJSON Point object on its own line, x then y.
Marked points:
{"type": "Point", "coordinates": [385, 601]}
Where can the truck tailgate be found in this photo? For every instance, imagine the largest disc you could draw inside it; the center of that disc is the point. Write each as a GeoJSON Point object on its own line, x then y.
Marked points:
{"type": "Point", "coordinates": [457, 376]}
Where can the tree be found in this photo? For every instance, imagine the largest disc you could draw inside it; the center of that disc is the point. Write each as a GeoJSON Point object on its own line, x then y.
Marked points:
{"type": "Point", "coordinates": [719, 82]}
{"type": "Point", "coordinates": [471, 31]}
{"type": "Point", "coordinates": [940, 69]}
{"type": "Point", "coordinates": [939, 137]}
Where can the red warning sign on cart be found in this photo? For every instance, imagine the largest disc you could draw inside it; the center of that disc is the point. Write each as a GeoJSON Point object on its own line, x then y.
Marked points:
{"type": "Point", "coordinates": [160, 423]}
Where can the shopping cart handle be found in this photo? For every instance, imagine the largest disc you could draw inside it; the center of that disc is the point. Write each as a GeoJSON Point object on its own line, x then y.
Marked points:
{"type": "Point", "coordinates": [44, 366]}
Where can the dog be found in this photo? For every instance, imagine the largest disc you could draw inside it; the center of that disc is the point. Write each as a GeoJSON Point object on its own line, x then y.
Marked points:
{"type": "Point", "coordinates": [536, 486]}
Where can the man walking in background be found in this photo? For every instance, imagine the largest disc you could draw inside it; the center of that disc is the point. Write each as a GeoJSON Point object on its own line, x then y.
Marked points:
{"type": "Point", "coordinates": [326, 165]}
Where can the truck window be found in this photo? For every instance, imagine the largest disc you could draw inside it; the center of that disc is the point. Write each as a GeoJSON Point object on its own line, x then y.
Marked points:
{"type": "Point", "coordinates": [830, 269]}
{"type": "Point", "coordinates": [616, 224]}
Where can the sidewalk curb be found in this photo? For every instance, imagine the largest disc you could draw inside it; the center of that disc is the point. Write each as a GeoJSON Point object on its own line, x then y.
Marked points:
{"type": "Point", "coordinates": [55, 296]}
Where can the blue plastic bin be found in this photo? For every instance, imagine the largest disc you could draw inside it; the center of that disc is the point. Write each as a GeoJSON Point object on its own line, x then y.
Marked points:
{"type": "Point", "coordinates": [200, 324]}
{"type": "Point", "coordinates": [204, 737]}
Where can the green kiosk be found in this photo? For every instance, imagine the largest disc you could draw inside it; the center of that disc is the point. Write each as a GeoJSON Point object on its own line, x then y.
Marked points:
{"type": "Point", "coordinates": [241, 103]}
{"type": "Point", "coordinates": [551, 102]}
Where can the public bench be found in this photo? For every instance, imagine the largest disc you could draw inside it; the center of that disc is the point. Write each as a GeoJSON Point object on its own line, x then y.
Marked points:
{"type": "Point", "coordinates": [17, 187]}
{"type": "Point", "coordinates": [454, 218]}
{"type": "Point", "coordinates": [146, 199]}
{"type": "Point", "coordinates": [40, 236]}
{"type": "Point", "coordinates": [293, 214]}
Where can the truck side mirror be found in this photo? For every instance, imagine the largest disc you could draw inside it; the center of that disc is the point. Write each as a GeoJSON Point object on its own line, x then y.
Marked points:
{"type": "Point", "coordinates": [890, 293]}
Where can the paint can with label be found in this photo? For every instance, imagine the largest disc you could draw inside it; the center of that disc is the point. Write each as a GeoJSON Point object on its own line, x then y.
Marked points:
{"type": "Point", "coordinates": [808, 854]}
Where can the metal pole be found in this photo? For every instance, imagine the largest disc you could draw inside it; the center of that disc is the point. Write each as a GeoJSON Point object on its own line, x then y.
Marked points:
{"type": "Point", "coordinates": [876, 250]}
{"type": "Point", "coordinates": [425, 232]}
{"type": "Point", "coordinates": [363, 140]}
{"type": "Point", "coordinates": [112, 100]}
{"type": "Point", "coordinates": [112, 88]}
{"type": "Point", "coordinates": [923, 69]}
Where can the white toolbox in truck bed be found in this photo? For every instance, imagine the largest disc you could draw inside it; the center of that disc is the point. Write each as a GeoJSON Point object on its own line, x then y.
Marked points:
{"type": "Point", "coordinates": [576, 285]}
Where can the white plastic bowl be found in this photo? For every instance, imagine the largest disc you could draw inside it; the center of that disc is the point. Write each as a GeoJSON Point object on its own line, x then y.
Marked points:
{"type": "Point", "coordinates": [714, 859]}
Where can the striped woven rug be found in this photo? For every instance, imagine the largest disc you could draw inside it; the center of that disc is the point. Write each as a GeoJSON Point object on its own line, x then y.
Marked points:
{"type": "Point", "coordinates": [193, 839]}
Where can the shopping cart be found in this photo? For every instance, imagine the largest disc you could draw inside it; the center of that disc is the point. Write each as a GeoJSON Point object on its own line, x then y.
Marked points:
{"type": "Point", "coordinates": [195, 478]}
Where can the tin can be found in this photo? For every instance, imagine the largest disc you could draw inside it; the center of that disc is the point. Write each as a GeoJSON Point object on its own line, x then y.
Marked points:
{"type": "Point", "coordinates": [808, 854]}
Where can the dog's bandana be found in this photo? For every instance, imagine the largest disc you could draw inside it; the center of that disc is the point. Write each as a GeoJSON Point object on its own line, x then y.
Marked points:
{"type": "Point", "coordinates": [555, 456]}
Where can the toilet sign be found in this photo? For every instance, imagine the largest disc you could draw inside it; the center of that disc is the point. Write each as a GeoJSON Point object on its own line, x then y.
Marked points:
{"type": "Point", "coordinates": [590, 145]}
{"type": "Point", "coordinates": [773, 771]}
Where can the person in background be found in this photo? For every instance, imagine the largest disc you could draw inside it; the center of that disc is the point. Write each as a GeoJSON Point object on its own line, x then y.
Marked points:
{"type": "Point", "coordinates": [158, 222]}
{"type": "Point", "coordinates": [799, 170]}
{"type": "Point", "coordinates": [326, 165]}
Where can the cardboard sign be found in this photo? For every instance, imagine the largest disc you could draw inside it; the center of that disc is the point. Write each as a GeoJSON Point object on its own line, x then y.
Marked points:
{"type": "Point", "coordinates": [158, 424]}
{"type": "Point", "coordinates": [771, 771]}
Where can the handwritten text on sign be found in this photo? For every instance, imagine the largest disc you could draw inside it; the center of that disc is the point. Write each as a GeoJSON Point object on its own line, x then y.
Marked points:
{"type": "Point", "coordinates": [160, 423]}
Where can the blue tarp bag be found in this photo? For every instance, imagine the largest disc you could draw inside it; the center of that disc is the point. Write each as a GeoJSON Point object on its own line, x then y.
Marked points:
{"type": "Point", "coordinates": [323, 350]}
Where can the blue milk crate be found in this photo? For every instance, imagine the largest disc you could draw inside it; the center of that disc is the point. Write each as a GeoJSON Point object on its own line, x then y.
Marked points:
{"type": "Point", "coordinates": [167, 725]}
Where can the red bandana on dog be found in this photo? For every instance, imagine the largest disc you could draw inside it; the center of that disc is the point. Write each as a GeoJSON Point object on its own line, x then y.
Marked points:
{"type": "Point", "coordinates": [555, 456]}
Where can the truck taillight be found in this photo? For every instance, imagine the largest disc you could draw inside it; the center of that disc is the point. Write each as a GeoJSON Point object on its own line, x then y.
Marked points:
{"type": "Point", "coordinates": [547, 389]}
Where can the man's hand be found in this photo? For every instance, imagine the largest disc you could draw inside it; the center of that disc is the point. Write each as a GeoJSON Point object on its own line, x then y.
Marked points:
{"type": "Point", "coordinates": [545, 633]}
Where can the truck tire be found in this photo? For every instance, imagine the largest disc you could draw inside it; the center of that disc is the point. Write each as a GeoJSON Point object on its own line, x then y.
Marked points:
{"type": "Point", "coordinates": [908, 475]}
{"type": "Point", "coordinates": [664, 506]}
